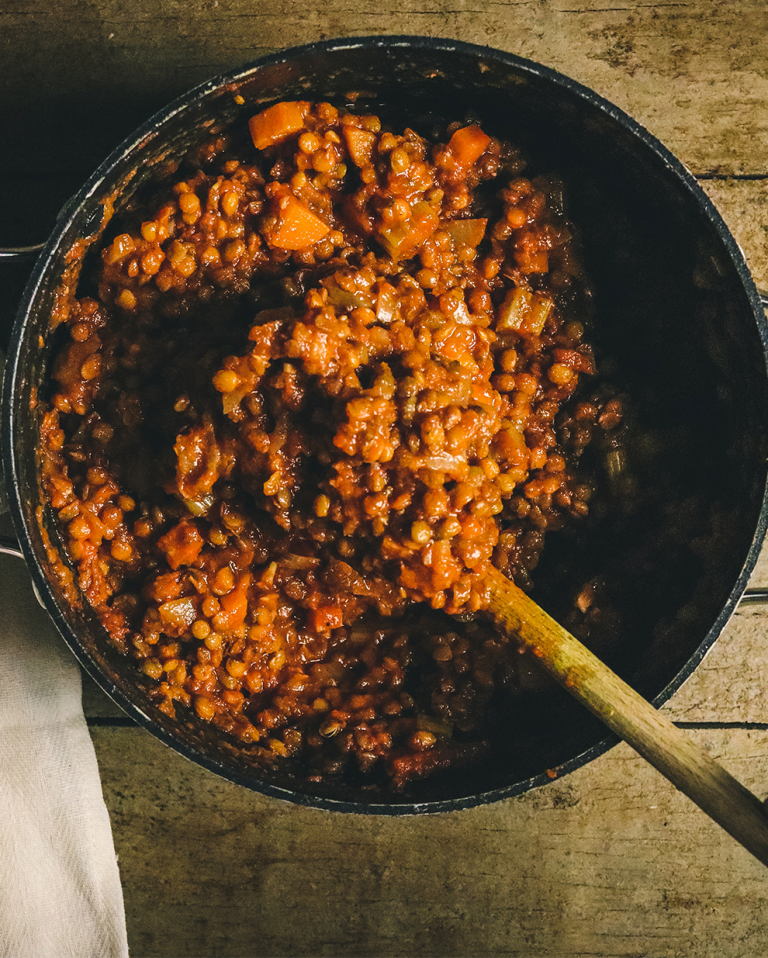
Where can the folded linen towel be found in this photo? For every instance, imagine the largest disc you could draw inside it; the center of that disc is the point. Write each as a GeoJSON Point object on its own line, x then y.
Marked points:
{"type": "Point", "coordinates": [60, 892]}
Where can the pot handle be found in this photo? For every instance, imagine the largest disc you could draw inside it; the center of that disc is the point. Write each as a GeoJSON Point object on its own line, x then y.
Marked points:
{"type": "Point", "coordinates": [20, 254]}
{"type": "Point", "coordinates": [10, 547]}
{"type": "Point", "coordinates": [28, 254]}
{"type": "Point", "coordinates": [754, 597]}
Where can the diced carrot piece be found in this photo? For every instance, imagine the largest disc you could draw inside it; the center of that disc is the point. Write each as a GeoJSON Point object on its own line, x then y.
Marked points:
{"type": "Point", "coordinates": [298, 227]}
{"type": "Point", "coordinates": [235, 603]}
{"type": "Point", "coordinates": [276, 123]}
{"type": "Point", "coordinates": [182, 545]}
{"type": "Point", "coordinates": [360, 144]}
{"type": "Point", "coordinates": [325, 618]}
{"type": "Point", "coordinates": [467, 145]}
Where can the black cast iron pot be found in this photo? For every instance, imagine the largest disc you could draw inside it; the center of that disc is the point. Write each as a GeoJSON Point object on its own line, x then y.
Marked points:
{"type": "Point", "coordinates": [679, 328]}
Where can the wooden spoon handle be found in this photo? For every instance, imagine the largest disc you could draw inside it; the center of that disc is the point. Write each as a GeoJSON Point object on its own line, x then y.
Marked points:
{"type": "Point", "coordinates": [626, 713]}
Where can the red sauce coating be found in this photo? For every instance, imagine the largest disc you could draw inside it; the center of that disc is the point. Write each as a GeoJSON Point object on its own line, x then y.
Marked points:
{"type": "Point", "coordinates": [319, 385]}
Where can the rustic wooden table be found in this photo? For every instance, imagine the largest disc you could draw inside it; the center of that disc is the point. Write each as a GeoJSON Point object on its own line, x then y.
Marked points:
{"type": "Point", "coordinates": [609, 861]}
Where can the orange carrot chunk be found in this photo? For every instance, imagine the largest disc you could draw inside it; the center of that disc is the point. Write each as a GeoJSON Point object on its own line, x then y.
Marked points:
{"type": "Point", "coordinates": [182, 545]}
{"type": "Point", "coordinates": [467, 145]}
{"type": "Point", "coordinates": [235, 603]}
{"type": "Point", "coordinates": [276, 123]}
{"type": "Point", "coordinates": [297, 226]}
{"type": "Point", "coordinates": [325, 618]}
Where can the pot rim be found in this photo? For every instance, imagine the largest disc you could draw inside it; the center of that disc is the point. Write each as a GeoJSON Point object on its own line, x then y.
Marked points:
{"type": "Point", "coordinates": [93, 186]}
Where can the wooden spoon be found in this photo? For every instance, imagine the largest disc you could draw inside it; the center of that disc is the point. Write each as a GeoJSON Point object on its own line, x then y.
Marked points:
{"type": "Point", "coordinates": [626, 713]}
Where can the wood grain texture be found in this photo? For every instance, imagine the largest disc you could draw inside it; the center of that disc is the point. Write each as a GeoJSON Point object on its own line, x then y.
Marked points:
{"type": "Point", "coordinates": [611, 861]}
{"type": "Point", "coordinates": [743, 205]}
{"type": "Point", "coordinates": [693, 71]}
{"type": "Point", "coordinates": [731, 684]}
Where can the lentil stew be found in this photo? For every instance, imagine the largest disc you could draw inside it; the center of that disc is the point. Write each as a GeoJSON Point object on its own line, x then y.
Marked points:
{"type": "Point", "coordinates": [305, 396]}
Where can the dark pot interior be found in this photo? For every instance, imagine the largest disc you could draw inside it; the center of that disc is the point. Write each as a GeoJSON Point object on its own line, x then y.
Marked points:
{"type": "Point", "coordinates": [678, 327]}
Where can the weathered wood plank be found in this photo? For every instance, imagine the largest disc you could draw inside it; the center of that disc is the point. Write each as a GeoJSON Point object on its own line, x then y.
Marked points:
{"type": "Point", "coordinates": [731, 684]}
{"type": "Point", "coordinates": [743, 205]}
{"type": "Point", "coordinates": [693, 71]}
{"type": "Point", "coordinates": [610, 861]}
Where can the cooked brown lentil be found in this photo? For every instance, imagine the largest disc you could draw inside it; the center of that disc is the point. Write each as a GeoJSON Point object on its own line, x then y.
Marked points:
{"type": "Point", "coordinates": [323, 382]}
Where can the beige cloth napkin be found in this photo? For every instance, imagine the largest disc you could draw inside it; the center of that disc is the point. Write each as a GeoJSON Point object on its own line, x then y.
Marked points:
{"type": "Point", "coordinates": [60, 893]}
